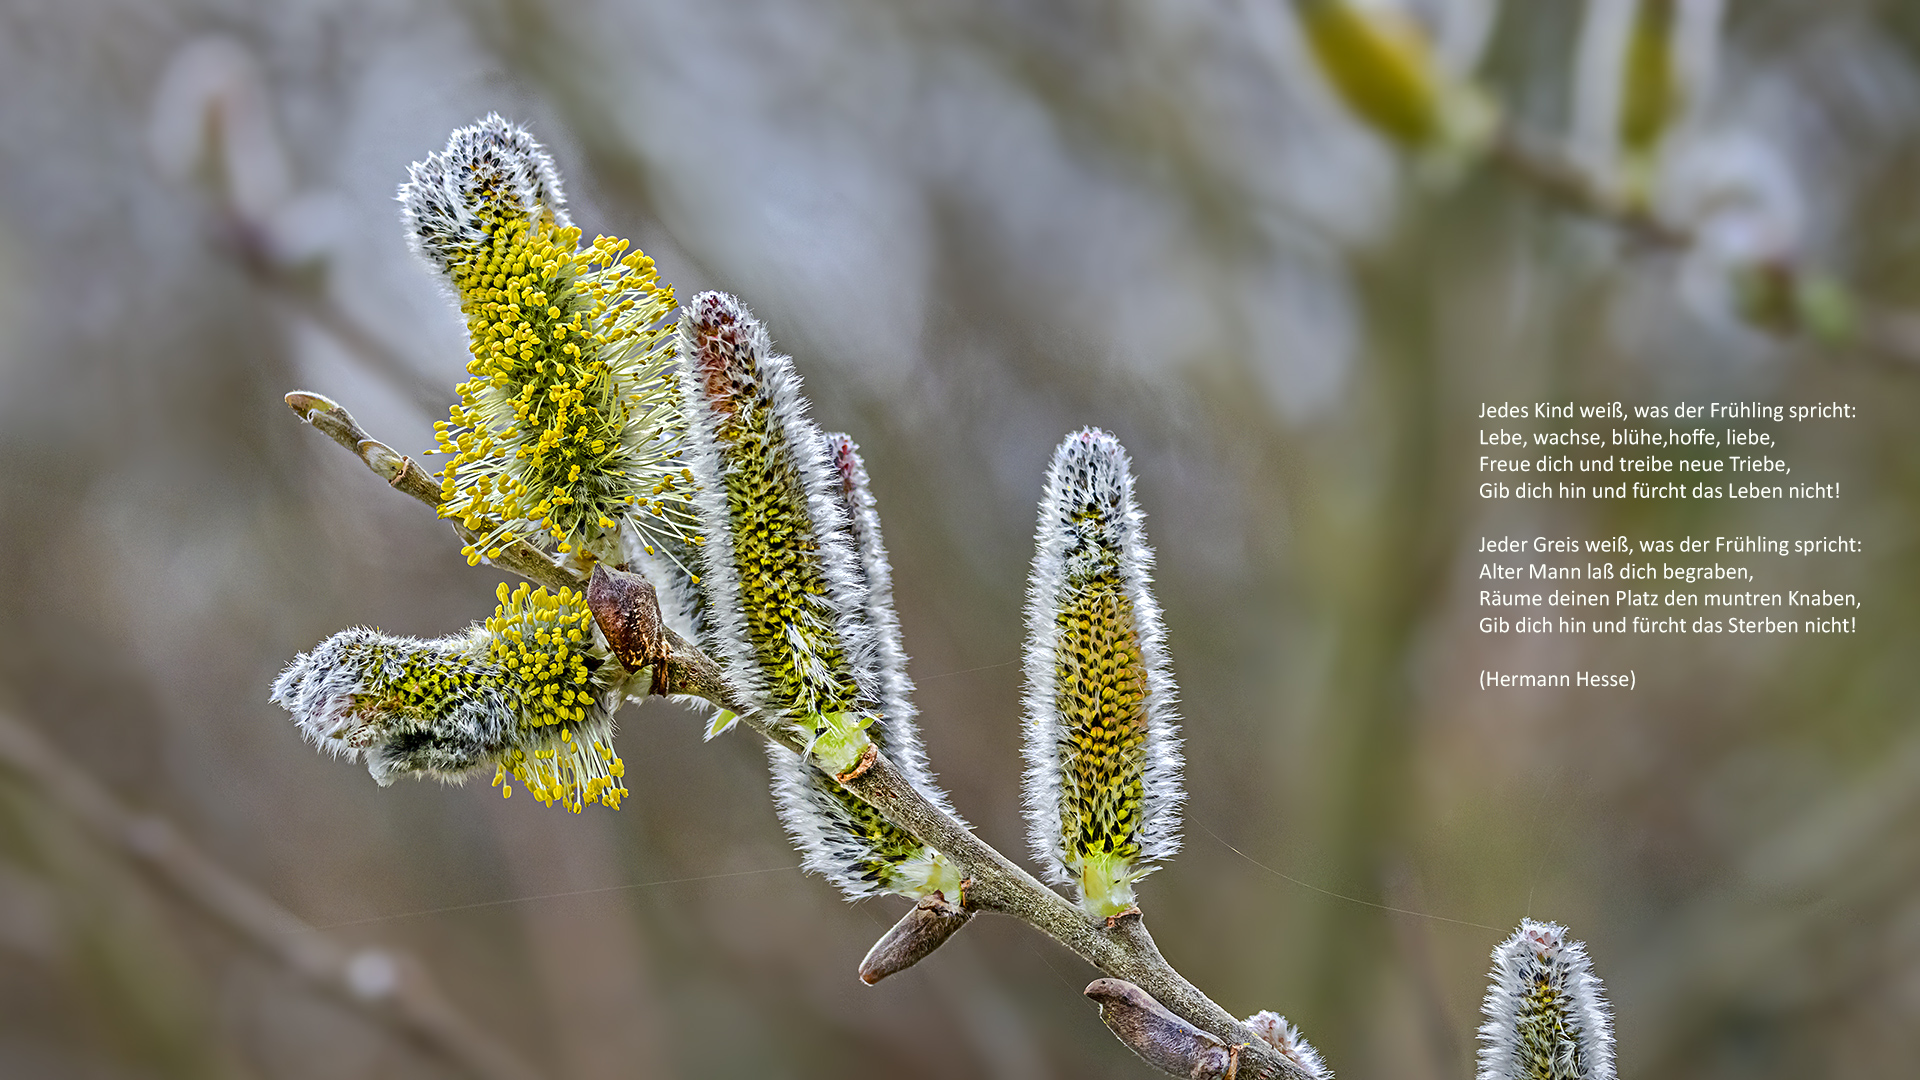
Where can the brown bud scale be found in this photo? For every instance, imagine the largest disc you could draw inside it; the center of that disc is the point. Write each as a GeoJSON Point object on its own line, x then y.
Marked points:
{"type": "Point", "coordinates": [931, 922]}
{"type": "Point", "coordinates": [627, 610]}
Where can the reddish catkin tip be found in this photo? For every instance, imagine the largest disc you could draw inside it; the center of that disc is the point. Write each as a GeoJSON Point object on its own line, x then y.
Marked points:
{"type": "Point", "coordinates": [847, 464]}
{"type": "Point", "coordinates": [790, 614]}
{"type": "Point", "coordinates": [723, 343]}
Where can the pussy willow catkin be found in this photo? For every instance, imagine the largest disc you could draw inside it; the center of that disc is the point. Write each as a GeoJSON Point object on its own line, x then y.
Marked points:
{"type": "Point", "coordinates": [1102, 786]}
{"type": "Point", "coordinates": [567, 426]}
{"type": "Point", "coordinates": [1546, 1012]}
{"type": "Point", "coordinates": [521, 692]}
{"type": "Point", "coordinates": [785, 603]}
{"type": "Point", "coordinates": [839, 835]}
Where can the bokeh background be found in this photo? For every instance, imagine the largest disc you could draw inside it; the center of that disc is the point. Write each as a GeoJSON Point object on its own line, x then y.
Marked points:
{"type": "Point", "coordinates": [977, 226]}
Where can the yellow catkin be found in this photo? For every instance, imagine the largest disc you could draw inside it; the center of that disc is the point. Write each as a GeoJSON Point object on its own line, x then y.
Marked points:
{"type": "Point", "coordinates": [569, 410]}
{"type": "Point", "coordinates": [540, 640]}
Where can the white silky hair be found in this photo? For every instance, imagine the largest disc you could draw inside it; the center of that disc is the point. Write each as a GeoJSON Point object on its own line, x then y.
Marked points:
{"type": "Point", "coordinates": [322, 688]}
{"type": "Point", "coordinates": [1292, 1045]}
{"type": "Point", "coordinates": [437, 200]}
{"type": "Point", "coordinates": [823, 832]}
{"type": "Point", "coordinates": [897, 732]}
{"type": "Point", "coordinates": [830, 841]}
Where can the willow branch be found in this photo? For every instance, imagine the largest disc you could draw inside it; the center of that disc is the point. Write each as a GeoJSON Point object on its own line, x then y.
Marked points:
{"type": "Point", "coordinates": [1781, 295]}
{"type": "Point", "coordinates": [387, 989]}
{"type": "Point", "coordinates": [1120, 947]}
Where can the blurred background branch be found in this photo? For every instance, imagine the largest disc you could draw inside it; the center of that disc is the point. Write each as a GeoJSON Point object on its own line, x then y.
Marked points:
{"type": "Point", "coordinates": [386, 987]}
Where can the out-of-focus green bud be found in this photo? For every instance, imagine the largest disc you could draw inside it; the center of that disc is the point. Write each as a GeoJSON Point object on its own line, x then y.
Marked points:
{"type": "Point", "coordinates": [1643, 68]}
{"type": "Point", "coordinates": [1774, 295]}
{"type": "Point", "coordinates": [1826, 308]}
{"type": "Point", "coordinates": [1650, 90]}
{"type": "Point", "coordinates": [1389, 73]}
{"type": "Point", "coordinates": [1379, 66]}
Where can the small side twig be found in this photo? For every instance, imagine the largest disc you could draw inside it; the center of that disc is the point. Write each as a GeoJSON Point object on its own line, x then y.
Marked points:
{"type": "Point", "coordinates": [1783, 298]}
{"type": "Point", "coordinates": [390, 990]}
{"type": "Point", "coordinates": [404, 474]}
{"type": "Point", "coordinates": [1552, 174]}
{"type": "Point", "coordinates": [1122, 949]}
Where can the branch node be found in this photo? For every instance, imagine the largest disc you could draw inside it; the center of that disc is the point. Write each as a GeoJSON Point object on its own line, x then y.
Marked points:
{"type": "Point", "coordinates": [384, 460]}
{"type": "Point", "coordinates": [859, 767]}
{"type": "Point", "coordinates": [627, 610]}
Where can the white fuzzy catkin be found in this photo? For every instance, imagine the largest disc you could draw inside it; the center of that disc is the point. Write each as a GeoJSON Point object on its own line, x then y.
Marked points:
{"type": "Point", "coordinates": [526, 692]}
{"type": "Point", "coordinates": [1293, 1046]}
{"type": "Point", "coordinates": [1546, 1012]}
{"type": "Point", "coordinates": [840, 837]}
{"type": "Point", "coordinates": [566, 431]}
{"type": "Point", "coordinates": [785, 603]}
{"type": "Point", "coordinates": [408, 706]}
{"type": "Point", "coordinates": [896, 732]}
{"type": "Point", "coordinates": [1090, 547]}
{"type": "Point", "coordinates": [846, 841]}
{"type": "Point", "coordinates": [441, 201]}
